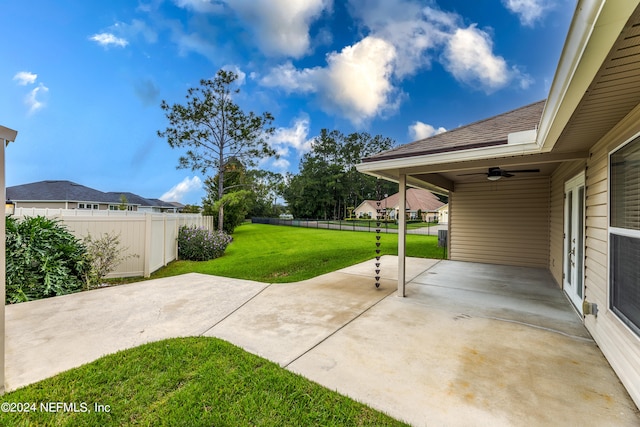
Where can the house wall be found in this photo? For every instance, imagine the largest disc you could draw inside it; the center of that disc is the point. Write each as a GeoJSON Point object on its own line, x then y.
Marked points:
{"type": "Point", "coordinates": [501, 222]}
{"type": "Point", "coordinates": [618, 343]}
{"type": "Point", "coordinates": [560, 176]}
{"type": "Point", "coordinates": [367, 209]}
{"type": "Point", "coordinates": [41, 205]}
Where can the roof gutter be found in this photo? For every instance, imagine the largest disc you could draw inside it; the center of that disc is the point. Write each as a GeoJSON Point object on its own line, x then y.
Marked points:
{"type": "Point", "coordinates": [515, 148]}
{"type": "Point", "coordinates": [595, 27]}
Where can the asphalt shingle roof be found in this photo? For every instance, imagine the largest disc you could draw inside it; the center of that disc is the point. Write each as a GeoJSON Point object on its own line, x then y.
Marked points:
{"type": "Point", "coordinates": [484, 133]}
{"type": "Point", "coordinates": [58, 191]}
{"type": "Point", "coordinates": [61, 190]}
{"type": "Point", "coordinates": [417, 198]}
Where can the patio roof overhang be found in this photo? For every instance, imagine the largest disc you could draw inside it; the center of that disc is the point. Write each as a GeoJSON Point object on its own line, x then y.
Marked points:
{"type": "Point", "coordinates": [597, 83]}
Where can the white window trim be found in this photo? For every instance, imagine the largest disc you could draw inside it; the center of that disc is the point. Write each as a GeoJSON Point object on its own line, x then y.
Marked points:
{"type": "Point", "coordinates": [619, 232]}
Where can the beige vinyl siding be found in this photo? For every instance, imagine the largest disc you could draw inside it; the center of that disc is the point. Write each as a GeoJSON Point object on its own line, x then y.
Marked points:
{"type": "Point", "coordinates": [559, 177]}
{"type": "Point", "coordinates": [502, 222]}
{"type": "Point", "coordinates": [618, 343]}
{"type": "Point", "coordinates": [41, 205]}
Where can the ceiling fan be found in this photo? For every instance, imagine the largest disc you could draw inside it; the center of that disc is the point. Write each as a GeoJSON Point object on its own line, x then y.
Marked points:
{"type": "Point", "coordinates": [495, 174]}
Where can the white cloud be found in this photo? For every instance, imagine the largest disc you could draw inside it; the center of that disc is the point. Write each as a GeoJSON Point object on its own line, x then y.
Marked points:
{"type": "Point", "coordinates": [415, 31]}
{"type": "Point", "coordinates": [421, 35]}
{"type": "Point", "coordinates": [108, 39]}
{"type": "Point", "coordinates": [356, 83]}
{"type": "Point", "coordinates": [202, 6]}
{"type": "Point", "coordinates": [291, 79]}
{"type": "Point", "coordinates": [528, 11]}
{"type": "Point", "coordinates": [33, 100]}
{"type": "Point", "coordinates": [292, 137]}
{"type": "Point", "coordinates": [179, 190]}
{"type": "Point", "coordinates": [25, 78]}
{"type": "Point", "coordinates": [469, 56]}
{"type": "Point", "coordinates": [281, 27]}
{"type": "Point", "coordinates": [419, 130]}
{"type": "Point", "coordinates": [282, 164]}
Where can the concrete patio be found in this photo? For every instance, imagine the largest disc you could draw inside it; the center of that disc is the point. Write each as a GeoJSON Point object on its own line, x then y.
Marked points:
{"type": "Point", "coordinates": [471, 344]}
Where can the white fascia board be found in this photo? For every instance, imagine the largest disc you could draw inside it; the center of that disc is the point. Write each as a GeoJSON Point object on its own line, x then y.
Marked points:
{"type": "Point", "coordinates": [594, 29]}
{"type": "Point", "coordinates": [453, 156]}
{"type": "Point", "coordinates": [7, 134]}
{"type": "Point", "coordinates": [523, 137]}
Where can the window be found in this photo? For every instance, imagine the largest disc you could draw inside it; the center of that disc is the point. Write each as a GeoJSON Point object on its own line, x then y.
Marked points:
{"type": "Point", "coordinates": [624, 234]}
{"type": "Point", "coordinates": [88, 206]}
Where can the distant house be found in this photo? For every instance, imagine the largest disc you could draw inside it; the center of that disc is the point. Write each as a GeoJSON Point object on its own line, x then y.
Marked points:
{"type": "Point", "coordinates": [421, 205]}
{"type": "Point", "coordinates": [366, 209]}
{"type": "Point", "coordinates": [61, 194]}
{"type": "Point", "coordinates": [443, 214]}
{"type": "Point", "coordinates": [148, 205]}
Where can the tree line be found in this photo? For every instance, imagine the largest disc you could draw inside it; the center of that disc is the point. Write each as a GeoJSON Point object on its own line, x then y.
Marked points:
{"type": "Point", "coordinates": [220, 137]}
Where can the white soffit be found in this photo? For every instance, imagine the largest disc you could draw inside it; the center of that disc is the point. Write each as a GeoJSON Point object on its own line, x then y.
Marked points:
{"type": "Point", "coordinates": [595, 27]}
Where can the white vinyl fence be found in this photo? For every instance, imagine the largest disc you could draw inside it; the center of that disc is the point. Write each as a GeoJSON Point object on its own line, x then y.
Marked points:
{"type": "Point", "coordinates": [150, 237]}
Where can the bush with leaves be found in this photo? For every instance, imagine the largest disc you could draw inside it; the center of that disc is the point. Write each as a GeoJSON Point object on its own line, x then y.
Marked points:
{"type": "Point", "coordinates": [200, 244]}
{"type": "Point", "coordinates": [104, 254]}
{"type": "Point", "coordinates": [43, 259]}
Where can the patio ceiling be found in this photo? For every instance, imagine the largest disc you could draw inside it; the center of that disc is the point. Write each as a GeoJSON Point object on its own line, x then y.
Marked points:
{"type": "Point", "coordinates": [613, 93]}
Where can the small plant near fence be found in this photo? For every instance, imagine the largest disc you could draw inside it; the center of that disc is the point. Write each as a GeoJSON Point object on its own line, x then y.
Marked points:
{"type": "Point", "coordinates": [200, 244]}
{"type": "Point", "coordinates": [104, 254]}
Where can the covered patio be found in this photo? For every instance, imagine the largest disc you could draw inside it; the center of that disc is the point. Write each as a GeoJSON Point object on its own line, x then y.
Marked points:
{"type": "Point", "coordinates": [471, 344]}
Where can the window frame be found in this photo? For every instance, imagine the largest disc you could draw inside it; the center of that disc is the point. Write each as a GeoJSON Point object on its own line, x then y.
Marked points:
{"type": "Point", "coordinates": [618, 231]}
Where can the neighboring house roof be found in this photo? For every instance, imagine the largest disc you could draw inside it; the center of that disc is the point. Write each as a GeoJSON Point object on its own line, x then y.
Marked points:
{"type": "Point", "coordinates": [443, 207]}
{"type": "Point", "coordinates": [62, 190]}
{"type": "Point", "coordinates": [484, 133]}
{"type": "Point", "coordinates": [371, 203]}
{"type": "Point", "coordinates": [417, 198]}
{"type": "Point", "coordinates": [57, 191]}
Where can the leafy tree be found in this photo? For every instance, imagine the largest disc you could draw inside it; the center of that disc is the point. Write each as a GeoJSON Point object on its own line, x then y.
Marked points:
{"type": "Point", "coordinates": [215, 129]}
{"type": "Point", "coordinates": [123, 203]}
{"type": "Point", "coordinates": [191, 209]}
{"type": "Point", "coordinates": [267, 188]}
{"type": "Point", "coordinates": [328, 182]}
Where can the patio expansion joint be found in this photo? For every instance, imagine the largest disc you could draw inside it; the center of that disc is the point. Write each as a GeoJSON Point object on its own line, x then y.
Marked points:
{"type": "Point", "coordinates": [287, 364]}
{"type": "Point", "coordinates": [234, 310]}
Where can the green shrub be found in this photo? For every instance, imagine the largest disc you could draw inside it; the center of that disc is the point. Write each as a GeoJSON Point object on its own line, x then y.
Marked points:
{"type": "Point", "coordinates": [43, 260]}
{"type": "Point", "coordinates": [199, 244]}
{"type": "Point", "coordinates": [104, 255]}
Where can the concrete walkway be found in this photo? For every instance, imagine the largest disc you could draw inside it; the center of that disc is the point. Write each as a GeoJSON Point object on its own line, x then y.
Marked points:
{"type": "Point", "coordinates": [471, 345]}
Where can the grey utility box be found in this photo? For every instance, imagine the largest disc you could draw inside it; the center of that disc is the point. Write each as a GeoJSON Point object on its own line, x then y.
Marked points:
{"type": "Point", "coordinates": [442, 238]}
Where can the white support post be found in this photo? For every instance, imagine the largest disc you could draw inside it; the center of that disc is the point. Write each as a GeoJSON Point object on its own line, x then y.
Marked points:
{"type": "Point", "coordinates": [402, 233]}
{"type": "Point", "coordinates": [6, 135]}
{"type": "Point", "coordinates": [3, 280]}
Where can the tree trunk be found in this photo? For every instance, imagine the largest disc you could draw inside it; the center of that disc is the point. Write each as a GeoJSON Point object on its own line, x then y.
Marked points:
{"type": "Point", "coordinates": [221, 193]}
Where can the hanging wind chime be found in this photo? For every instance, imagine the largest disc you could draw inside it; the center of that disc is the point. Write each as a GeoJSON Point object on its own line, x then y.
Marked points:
{"type": "Point", "coordinates": [379, 216]}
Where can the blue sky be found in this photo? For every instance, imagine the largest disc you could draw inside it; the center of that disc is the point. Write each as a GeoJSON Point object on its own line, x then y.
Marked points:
{"type": "Point", "coordinates": [82, 81]}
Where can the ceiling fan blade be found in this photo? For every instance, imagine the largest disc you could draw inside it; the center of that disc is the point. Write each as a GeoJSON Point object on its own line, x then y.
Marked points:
{"type": "Point", "coordinates": [507, 174]}
{"type": "Point", "coordinates": [523, 171]}
{"type": "Point", "coordinates": [469, 174]}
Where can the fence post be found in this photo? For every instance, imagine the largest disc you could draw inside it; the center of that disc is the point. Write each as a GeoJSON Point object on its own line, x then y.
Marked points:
{"type": "Point", "coordinates": [147, 245]}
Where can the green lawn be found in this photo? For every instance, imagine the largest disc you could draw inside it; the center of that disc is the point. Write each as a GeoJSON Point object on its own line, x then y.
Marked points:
{"type": "Point", "coordinates": [282, 254]}
{"type": "Point", "coordinates": [186, 382]}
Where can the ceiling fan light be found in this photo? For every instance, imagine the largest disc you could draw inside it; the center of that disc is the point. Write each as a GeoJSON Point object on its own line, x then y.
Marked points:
{"type": "Point", "coordinates": [494, 177]}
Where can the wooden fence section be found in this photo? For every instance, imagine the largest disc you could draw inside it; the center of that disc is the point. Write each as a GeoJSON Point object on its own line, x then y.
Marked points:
{"type": "Point", "coordinates": [150, 237]}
